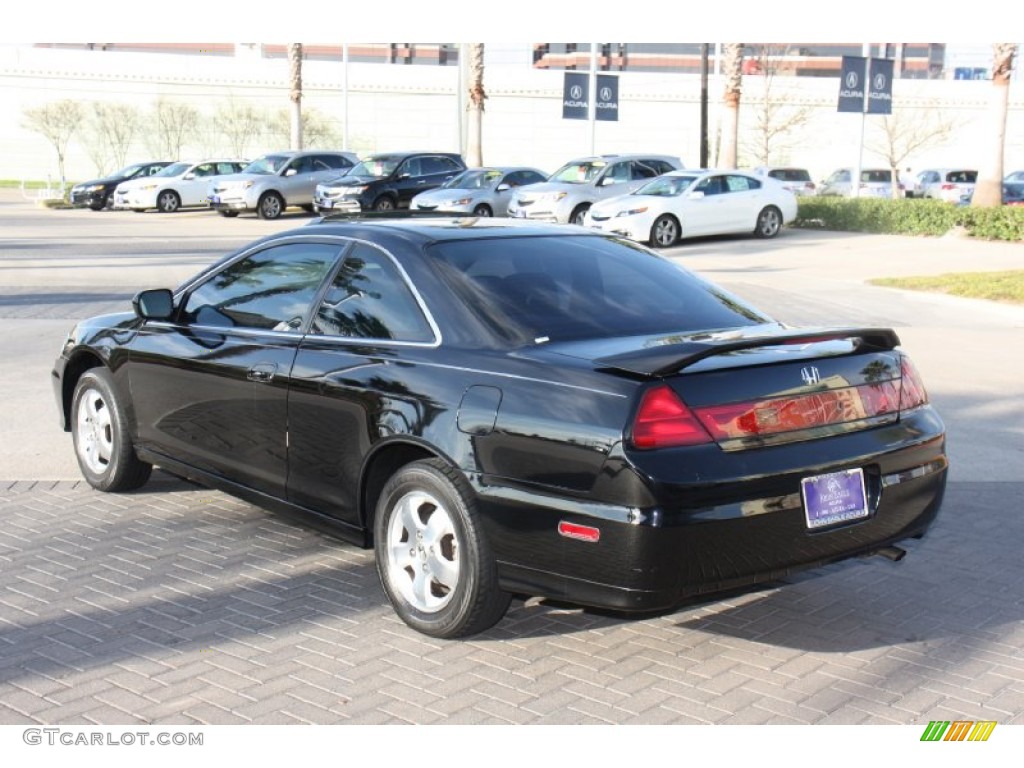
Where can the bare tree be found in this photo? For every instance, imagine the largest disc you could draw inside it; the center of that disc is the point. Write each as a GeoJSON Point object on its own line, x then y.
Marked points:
{"type": "Point", "coordinates": [57, 122]}
{"type": "Point", "coordinates": [317, 129]}
{"type": "Point", "coordinates": [173, 124]}
{"type": "Point", "coordinates": [295, 94]}
{"type": "Point", "coordinates": [988, 192]}
{"type": "Point", "coordinates": [240, 122]}
{"type": "Point", "coordinates": [475, 107]}
{"type": "Point", "coordinates": [732, 68]}
{"type": "Point", "coordinates": [111, 131]}
{"type": "Point", "coordinates": [776, 117]}
{"type": "Point", "coordinates": [904, 132]}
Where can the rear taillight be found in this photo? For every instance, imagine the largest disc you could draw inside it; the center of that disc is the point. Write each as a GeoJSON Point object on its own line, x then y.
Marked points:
{"type": "Point", "coordinates": [949, 186]}
{"type": "Point", "coordinates": [663, 421]}
{"type": "Point", "coordinates": [912, 393]}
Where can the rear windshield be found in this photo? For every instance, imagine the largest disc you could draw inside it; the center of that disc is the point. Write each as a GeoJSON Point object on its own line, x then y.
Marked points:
{"type": "Point", "coordinates": [789, 174]}
{"type": "Point", "coordinates": [563, 288]}
{"type": "Point", "coordinates": [879, 177]}
{"type": "Point", "coordinates": [962, 177]}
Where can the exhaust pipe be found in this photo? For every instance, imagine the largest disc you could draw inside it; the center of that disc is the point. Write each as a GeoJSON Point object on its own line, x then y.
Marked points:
{"type": "Point", "coordinates": [892, 553]}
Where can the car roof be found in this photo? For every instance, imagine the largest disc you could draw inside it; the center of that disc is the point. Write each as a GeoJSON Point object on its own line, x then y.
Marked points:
{"type": "Point", "coordinates": [426, 229]}
{"type": "Point", "coordinates": [630, 156]}
{"type": "Point", "coordinates": [377, 155]}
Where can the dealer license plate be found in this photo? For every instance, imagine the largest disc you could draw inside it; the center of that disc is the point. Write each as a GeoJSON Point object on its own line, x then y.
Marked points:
{"type": "Point", "coordinates": [214, 199]}
{"type": "Point", "coordinates": [838, 497]}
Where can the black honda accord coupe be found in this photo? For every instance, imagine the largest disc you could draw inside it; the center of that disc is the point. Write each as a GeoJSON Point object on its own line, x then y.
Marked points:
{"type": "Point", "coordinates": [505, 408]}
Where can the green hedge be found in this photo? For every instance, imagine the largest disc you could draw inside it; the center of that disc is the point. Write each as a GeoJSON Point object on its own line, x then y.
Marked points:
{"type": "Point", "coordinates": [909, 217]}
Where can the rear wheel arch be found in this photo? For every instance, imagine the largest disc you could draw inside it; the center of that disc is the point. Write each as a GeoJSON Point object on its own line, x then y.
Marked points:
{"type": "Point", "coordinates": [379, 468]}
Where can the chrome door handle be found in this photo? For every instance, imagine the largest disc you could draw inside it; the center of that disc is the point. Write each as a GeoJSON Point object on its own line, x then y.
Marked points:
{"type": "Point", "coordinates": [262, 373]}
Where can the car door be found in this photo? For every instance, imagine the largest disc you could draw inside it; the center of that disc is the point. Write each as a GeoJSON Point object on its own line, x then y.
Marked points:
{"type": "Point", "coordinates": [209, 388]}
{"type": "Point", "coordinates": [295, 181]}
{"type": "Point", "coordinates": [742, 201]}
{"type": "Point", "coordinates": [409, 180]}
{"type": "Point", "coordinates": [354, 382]}
{"type": "Point", "coordinates": [195, 184]}
{"type": "Point", "coordinates": [707, 206]}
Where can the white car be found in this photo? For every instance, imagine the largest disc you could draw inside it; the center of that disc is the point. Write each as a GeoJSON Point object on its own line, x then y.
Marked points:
{"type": "Point", "coordinates": [696, 203]}
{"type": "Point", "coordinates": [179, 185]}
{"type": "Point", "coordinates": [949, 184]}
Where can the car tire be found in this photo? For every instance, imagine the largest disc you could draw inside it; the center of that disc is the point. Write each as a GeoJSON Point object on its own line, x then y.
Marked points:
{"type": "Point", "coordinates": [433, 558]}
{"type": "Point", "coordinates": [168, 201]}
{"type": "Point", "coordinates": [104, 204]}
{"type": "Point", "coordinates": [665, 231]}
{"type": "Point", "coordinates": [576, 217]}
{"type": "Point", "coordinates": [483, 210]}
{"type": "Point", "coordinates": [270, 206]}
{"type": "Point", "coordinates": [769, 222]}
{"type": "Point", "coordinates": [228, 214]}
{"type": "Point", "coordinates": [384, 204]}
{"type": "Point", "coordinates": [103, 443]}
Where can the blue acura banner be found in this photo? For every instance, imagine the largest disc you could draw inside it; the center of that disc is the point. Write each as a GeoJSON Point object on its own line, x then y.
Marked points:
{"type": "Point", "coordinates": [607, 97]}
{"type": "Point", "coordinates": [853, 80]}
{"type": "Point", "coordinates": [576, 96]}
{"type": "Point", "coordinates": [880, 87]}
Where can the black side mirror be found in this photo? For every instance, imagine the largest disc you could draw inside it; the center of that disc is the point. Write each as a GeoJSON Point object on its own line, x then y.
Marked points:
{"type": "Point", "coordinates": [155, 304]}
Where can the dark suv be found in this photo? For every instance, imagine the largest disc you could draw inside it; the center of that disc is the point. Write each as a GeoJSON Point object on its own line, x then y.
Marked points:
{"type": "Point", "coordinates": [386, 181]}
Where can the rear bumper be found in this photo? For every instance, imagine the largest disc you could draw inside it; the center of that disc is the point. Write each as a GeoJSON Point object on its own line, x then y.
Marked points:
{"type": "Point", "coordinates": [705, 538]}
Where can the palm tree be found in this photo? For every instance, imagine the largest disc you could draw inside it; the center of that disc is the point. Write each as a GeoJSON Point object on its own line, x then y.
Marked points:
{"type": "Point", "coordinates": [732, 67]}
{"type": "Point", "coordinates": [475, 107]}
{"type": "Point", "coordinates": [988, 192]}
{"type": "Point", "coordinates": [295, 70]}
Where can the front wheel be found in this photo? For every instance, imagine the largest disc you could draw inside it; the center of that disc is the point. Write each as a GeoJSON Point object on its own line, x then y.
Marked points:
{"type": "Point", "coordinates": [168, 201]}
{"type": "Point", "coordinates": [483, 210]}
{"type": "Point", "coordinates": [270, 206]}
{"type": "Point", "coordinates": [103, 444]}
{"type": "Point", "coordinates": [434, 561]}
{"type": "Point", "coordinates": [664, 231]}
{"type": "Point", "coordinates": [769, 222]}
{"type": "Point", "coordinates": [384, 204]}
{"type": "Point", "coordinates": [578, 214]}
{"type": "Point", "coordinates": [228, 214]}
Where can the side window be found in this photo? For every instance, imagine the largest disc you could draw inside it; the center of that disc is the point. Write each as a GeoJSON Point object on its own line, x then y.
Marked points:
{"type": "Point", "coordinates": [335, 162]}
{"type": "Point", "coordinates": [206, 169]}
{"type": "Point", "coordinates": [712, 185]}
{"type": "Point", "coordinates": [411, 167]}
{"type": "Point", "coordinates": [439, 165]}
{"type": "Point", "coordinates": [225, 168]}
{"type": "Point", "coordinates": [153, 170]}
{"type": "Point", "coordinates": [270, 290]}
{"type": "Point", "coordinates": [618, 173]}
{"type": "Point", "coordinates": [660, 166]}
{"type": "Point", "coordinates": [301, 165]}
{"type": "Point", "coordinates": [741, 183]}
{"type": "Point", "coordinates": [642, 171]}
{"type": "Point", "coordinates": [369, 299]}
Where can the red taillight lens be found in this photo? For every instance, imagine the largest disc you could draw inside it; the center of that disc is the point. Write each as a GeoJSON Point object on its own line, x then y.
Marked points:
{"type": "Point", "coordinates": [663, 420]}
{"type": "Point", "coordinates": [912, 393]}
{"type": "Point", "coordinates": [949, 186]}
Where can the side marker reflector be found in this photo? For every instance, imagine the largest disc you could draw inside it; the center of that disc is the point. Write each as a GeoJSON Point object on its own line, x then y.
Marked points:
{"type": "Point", "coordinates": [581, 532]}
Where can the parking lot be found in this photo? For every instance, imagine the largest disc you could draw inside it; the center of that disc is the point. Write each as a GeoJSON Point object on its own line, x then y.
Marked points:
{"type": "Point", "coordinates": [179, 605]}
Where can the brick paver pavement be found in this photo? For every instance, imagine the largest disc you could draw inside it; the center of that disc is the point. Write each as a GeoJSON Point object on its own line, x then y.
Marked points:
{"type": "Point", "coordinates": [178, 605]}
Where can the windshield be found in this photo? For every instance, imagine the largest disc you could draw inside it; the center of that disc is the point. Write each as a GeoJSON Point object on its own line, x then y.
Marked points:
{"type": "Point", "coordinates": [378, 168]}
{"type": "Point", "coordinates": [579, 173]}
{"type": "Point", "coordinates": [174, 169]}
{"type": "Point", "coordinates": [475, 179]}
{"type": "Point", "coordinates": [560, 288]}
{"type": "Point", "coordinates": [131, 170]}
{"type": "Point", "coordinates": [270, 165]}
{"type": "Point", "coordinates": [666, 186]}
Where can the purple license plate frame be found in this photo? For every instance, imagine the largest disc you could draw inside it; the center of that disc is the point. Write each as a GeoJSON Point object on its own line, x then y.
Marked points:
{"type": "Point", "coordinates": [834, 498]}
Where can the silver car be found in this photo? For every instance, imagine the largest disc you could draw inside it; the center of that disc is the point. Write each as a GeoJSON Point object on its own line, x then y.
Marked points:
{"type": "Point", "coordinates": [275, 181]}
{"type": "Point", "coordinates": [949, 184]}
{"type": "Point", "coordinates": [570, 191]}
{"type": "Point", "coordinates": [874, 182]}
{"type": "Point", "coordinates": [480, 191]}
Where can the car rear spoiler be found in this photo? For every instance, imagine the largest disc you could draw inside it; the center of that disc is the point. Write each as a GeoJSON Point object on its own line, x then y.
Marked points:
{"type": "Point", "coordinates": [671, 358]}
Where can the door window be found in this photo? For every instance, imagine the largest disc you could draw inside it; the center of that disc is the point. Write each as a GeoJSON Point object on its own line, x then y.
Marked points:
{"type": "Point", "coordinates": [369, 299]}
{"type": "Point", "coordinates": [269, 290]}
